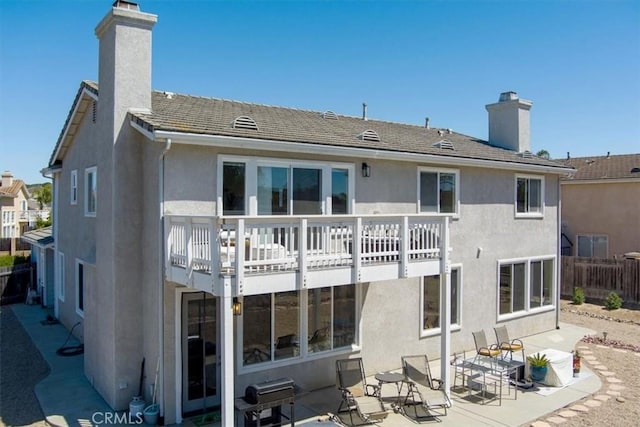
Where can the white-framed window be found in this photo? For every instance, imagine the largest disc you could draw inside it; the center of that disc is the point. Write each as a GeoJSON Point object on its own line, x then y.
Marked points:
{"type": "Point", "coordinates": [529, 196]}
{"type": "Point", "coordinates": [74, 187]}
{"type": "Point", "coordinates": [297, 324]}
{"type": "Point", "coordinates": [90, 192]}
{"type": "Point", "coordinates": [60, 274]}
{"type": "Point", "coordinates": [80, 287]}
{"type": "Point", "coordinates": [593, 245]}
{"type": "Point", "coordinates": [525, 284]}
{"type": "Point", "coordinates": [264, 186]}
{"type": "Point", "coordinates": [438, 190]}
{"type": "Point", "coordinates": [430, 302]}
{"type": "Point", "coordinates": [23, 205]}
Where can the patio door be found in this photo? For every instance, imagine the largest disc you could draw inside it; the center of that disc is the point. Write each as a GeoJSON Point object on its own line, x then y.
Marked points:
{"type": "Point", "coordinates": [200, 357]}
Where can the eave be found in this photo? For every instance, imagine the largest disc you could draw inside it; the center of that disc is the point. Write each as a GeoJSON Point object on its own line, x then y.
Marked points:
{"type": "Point", "coordinates": [257, 144]}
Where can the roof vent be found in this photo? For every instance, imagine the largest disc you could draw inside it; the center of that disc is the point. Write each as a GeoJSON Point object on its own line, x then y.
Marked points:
{"type": "Point", "coordinates": [169, 95]}
{"type": "Point", "coordinates": [443, 145]}
{"type": "Point", "coordinates": [369, 135]}
{"type": "Point", "coordinates": [526, 154]}
{"type": "Point", "coordinates": [330, 115]}
{"type": "Point", "coordinates": [244, 122]}
{"type": "Point", "coordinates": [449, 131]}
{"type": "Point", "coordinates": [440, 132]}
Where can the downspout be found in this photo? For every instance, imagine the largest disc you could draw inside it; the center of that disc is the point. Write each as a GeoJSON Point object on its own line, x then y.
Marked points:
{"type": "Point", "coordinates": [49, 174]}
{"type": "Point", "coordinates": [161, 271]}
{"type": "Point", "coordinates": [559, 256]}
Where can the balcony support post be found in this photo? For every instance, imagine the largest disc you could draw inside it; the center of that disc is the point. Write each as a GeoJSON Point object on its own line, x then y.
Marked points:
{"type": "Point", "coordinates": [240, 256]}
{"type": "Point", "coordinates": [356, 250]}
{"type": "Point", "coordinates": [188, 231]}
{"type": "Point", "coordinates": [404, 248]}
{"type": "Point", "coordinates": [214, 261]}
{"type": "Point", "coordinates": [302, 253]}
{"type": "Point", "coordinates": [445, 306]}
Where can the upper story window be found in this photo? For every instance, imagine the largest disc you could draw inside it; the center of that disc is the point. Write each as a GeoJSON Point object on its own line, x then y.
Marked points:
{"type": "Point", "coordinates": [23, 205]}
{"type": "Point", "coordinates": [529, 196]}
{"type": "Point", "coordinates": [74, 187]}
{"type": "Point", "coordinates": [593, 246]}
{"type": "Point", "coordinates": [259, 186]}
{"type": "Point", "coordinates": [90, 192]}
{"type": "Point", "coordinates": [438, 190]}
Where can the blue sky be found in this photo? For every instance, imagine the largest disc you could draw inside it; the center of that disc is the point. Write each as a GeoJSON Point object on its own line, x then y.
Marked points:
{"type": "Point", "coordinates": [578, 61]}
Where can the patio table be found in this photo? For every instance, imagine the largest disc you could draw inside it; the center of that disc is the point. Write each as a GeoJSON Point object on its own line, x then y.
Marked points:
{"type": "Point", "coordinates": [483, 372]}
{"type": "Point", "coordinates": [391, 378]}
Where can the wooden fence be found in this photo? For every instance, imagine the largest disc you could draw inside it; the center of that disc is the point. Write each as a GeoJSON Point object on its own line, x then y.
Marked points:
{"type": "Point", "coordinates": [598, 277]}
{"type": "Point", "coordinates": [13, 246]}
{"type": "Point", "coordinates": [15, 281]}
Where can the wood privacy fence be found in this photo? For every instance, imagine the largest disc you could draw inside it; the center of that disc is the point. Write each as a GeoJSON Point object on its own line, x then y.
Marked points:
{"type": "Point", "coordinates": [15, 281]}
{"type": "Point", "coordinates": [598, 277]}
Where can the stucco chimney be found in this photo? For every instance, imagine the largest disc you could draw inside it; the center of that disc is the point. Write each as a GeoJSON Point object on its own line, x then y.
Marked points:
{"type": "Point", "coordinates": [7, 179]}
{"type": "Point", "coordinates": [124, 64]}
{"type": "Point", "coordinates": [509, 124]}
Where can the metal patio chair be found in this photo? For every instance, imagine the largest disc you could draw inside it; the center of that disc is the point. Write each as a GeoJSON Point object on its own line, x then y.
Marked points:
{"type": "Point", "coordinates": [483, 349]}
{"type": "Point", "coordinates": [507, 345]}
{"type": "Point", "coordinates": [424, 390]}
{"type": "Point", "coordinates": [357, 395]}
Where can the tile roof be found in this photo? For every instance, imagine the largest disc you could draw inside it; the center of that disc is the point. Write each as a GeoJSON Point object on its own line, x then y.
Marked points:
{"type": "Point", "coordinates": [604, 167]}
{"type": "Point", "coordinates": [213, 116]}
{"type": "Point", "coordinates": [14, 189]}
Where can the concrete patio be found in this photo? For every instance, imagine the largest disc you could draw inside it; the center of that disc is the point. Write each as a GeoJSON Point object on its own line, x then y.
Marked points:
{"type": "Point", "coordinates": [67, 398]}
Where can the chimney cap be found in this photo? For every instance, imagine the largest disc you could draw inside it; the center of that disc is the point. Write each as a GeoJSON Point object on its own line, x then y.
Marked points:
{"type": "Point", "coordinates": [125, 4]}
{"type": "Point", "coordinates": [508, 96]}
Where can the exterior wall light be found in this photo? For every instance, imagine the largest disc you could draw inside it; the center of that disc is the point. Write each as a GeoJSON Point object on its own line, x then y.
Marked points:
{"type": "Point", "coordinates": [366, 170]}
{"type": "Point", "coordinates": [236, 307]}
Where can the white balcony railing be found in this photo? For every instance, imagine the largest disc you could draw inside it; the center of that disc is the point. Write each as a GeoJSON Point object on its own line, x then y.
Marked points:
{"type": "Point", "coordinates": [245, 246]}
{"type": "Point", "coordinates": [31, 216]}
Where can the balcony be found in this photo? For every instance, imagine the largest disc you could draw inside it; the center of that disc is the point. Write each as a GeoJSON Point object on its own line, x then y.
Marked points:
{"type": "Point", "coordinates": [31, 216]}
{"type": "Point", "coordinates": [261, 254]}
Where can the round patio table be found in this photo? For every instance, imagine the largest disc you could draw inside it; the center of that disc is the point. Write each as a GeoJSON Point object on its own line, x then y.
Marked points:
{"type": "Point", "coordinates": [391, 378]}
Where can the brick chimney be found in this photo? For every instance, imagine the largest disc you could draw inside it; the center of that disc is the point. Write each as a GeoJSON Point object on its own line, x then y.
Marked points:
{"type": "Point", "coordinates": [509, 124]}
{"type": "Point", "coordinates": [7, 179]}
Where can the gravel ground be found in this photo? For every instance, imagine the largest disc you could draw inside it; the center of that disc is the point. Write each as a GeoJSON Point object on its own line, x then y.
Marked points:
{"type": "Point", "coordinates": [21, 368]}
{"type": "Point", "coordinates": [622, 326]}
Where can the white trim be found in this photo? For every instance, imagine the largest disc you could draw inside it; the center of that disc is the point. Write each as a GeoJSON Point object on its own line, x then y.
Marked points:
{"type": "Point", "coordinates": [527, 286]}
{"type": "Point", "coordinates": [90, 170]}
{"type": "Point", "coordinates": [535, 215]}
{"type": "Point", "coordinates": [257, 144]}
{"type": "Point", "coordinates": [79, 311]}
{"type": "Point", "coordinates": [456, 172]}
{"type": "Point", "coordinates": [601, 181]}
{"type": "Point", "coordinates": [74, 187]}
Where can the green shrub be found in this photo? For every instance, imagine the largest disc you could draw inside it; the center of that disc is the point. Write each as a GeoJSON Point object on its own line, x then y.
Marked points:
{"type": "Point", "coordinates": [578, 296]}
{"type": "Point", "coordinates": [9, 260]}
{"type": "Point", "coordinates": [613, 301]}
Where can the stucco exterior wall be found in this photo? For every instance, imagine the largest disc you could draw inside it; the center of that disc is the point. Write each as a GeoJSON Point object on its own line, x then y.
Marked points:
{"type": "Point", "coordinates": [611, 209]}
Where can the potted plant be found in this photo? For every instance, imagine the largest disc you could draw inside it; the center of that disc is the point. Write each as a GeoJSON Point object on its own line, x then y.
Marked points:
{"type": "Point", "coordinates": [538, 364]}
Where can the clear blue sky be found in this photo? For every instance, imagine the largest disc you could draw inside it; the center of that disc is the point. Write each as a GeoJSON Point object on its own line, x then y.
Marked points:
{"type": "Point", "coordinates": [578, 61]}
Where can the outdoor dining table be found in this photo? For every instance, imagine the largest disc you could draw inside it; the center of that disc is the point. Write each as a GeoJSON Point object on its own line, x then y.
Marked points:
{"type": "Point", "coordinates": [486, 371]}
{"type": "Point", "coordinates": [391, 378]}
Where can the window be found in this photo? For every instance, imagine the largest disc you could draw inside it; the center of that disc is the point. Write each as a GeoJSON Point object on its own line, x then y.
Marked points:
{"type": "Point", "coordinates": [525, 284]}
{"type": "Point", "coordinates": [272, 328]}
{"type": "Point", "coordinates": [91, 186]}
{"type": "Point", "coordinates": [438, 190]}
{"type": "Point", "coordinates": [80, 280]}
{"type": "Point", "coordinates": [23, 205]}
{"type": "Point", "coordinates": [593, 246]}
{"type": "Point", "coordinates": [74, 187]}
{"type": "Point", "coordinates": [529, 196]}
{"type": "Point", "coordinates": [60, 271]}
{"type": "Point", "coordinates": [233, 190]}
{"type": "Point", "coordinates": [259, 186]}
{"type": "Point", "coordinates": [431, 300]}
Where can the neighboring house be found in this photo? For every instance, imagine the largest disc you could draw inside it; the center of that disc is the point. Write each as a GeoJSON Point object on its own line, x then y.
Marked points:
{"type": "Point", "coordinates": [43, 253]}
{"type": "Point", "coordinates": [236, 242]}
{"type": "Point", "coordinates": [14, 210]}
{"type": "Point", "coordinates": [601, 206]}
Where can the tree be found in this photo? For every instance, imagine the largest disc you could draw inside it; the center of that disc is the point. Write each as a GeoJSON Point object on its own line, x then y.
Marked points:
{"type": "Point", "coordinates": [544, 154]}
{"type": "Point", "coordinates": [43, 195]}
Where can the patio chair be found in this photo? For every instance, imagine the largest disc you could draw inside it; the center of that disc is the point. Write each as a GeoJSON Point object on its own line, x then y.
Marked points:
{"type": "Point", "coordinates": [424, 390]}
{"type": "Point", "coordinates": [507, 345]}
{"type": "Point", "coordinates": [483, 349]}
{"type": "Point", "coordinates": [357, 395]}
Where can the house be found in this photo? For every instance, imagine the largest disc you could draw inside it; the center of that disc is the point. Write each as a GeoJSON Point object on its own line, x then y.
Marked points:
{"type": "Point", "coordinates": [14, 211]}
{"type": "Point", "coordinates": [236, 242]}
{"type": "Point", "coordinates": [43, 254]}
{"type": "Point", "coordinates": [601, 205]}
